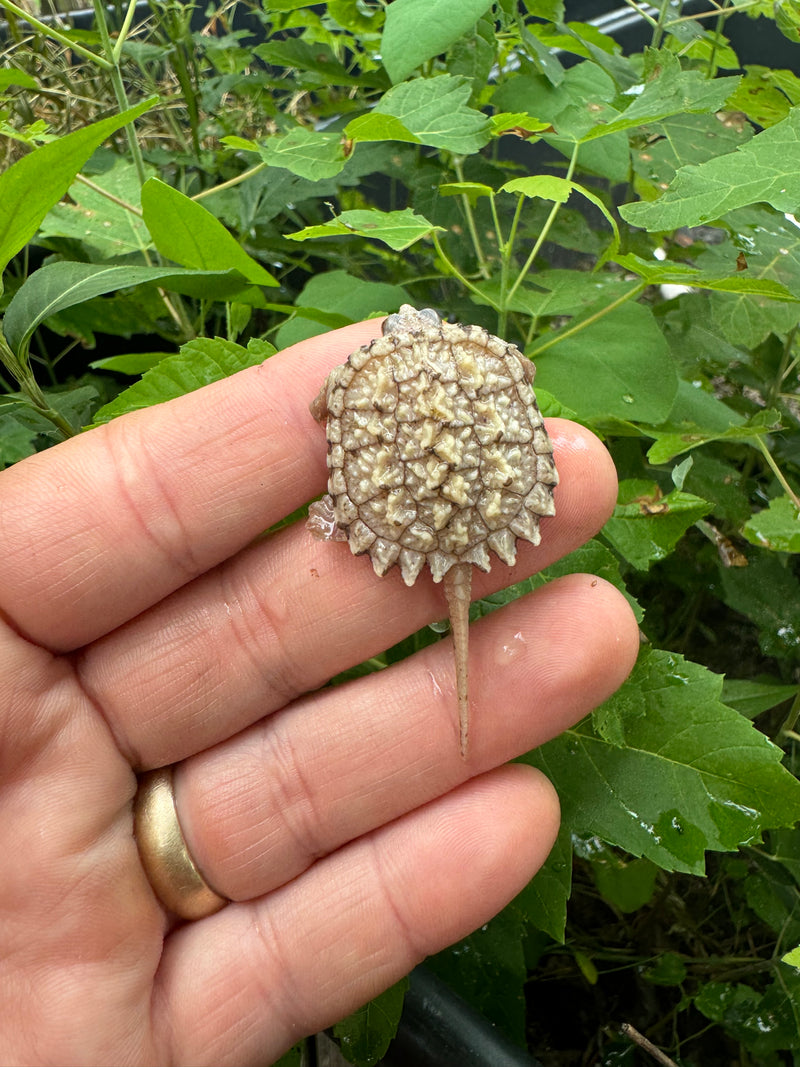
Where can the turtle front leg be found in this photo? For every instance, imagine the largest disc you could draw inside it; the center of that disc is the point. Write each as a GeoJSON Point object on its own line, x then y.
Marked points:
{"type": "Point", "coordinates": [458, 592]}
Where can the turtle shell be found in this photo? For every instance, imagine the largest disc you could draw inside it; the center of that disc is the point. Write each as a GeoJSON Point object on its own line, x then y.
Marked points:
{"type": "Point", "coordinates": [437, 451]}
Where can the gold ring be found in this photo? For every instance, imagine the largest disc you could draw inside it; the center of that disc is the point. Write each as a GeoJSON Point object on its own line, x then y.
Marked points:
{"type": "Point", "coordinates": [165, 856]}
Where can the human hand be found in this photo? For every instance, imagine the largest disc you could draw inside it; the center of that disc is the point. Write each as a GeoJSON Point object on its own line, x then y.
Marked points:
{"type": "Point", "coordinates": [143, 624]}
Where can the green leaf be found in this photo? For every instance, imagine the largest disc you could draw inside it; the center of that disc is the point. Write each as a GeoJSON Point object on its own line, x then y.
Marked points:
{"type": "Point", "coordinates": [594, 558]}
{"type": "Point", "coordinates": [668, 970]}
{"type": "Point", "coordinates": [310, 58]}
{"type": "Point", "coordinates": [339, 293]}
{"type": "Point", "coordinates": [628, 884]}
{"type": "Point", "coordinates": [543, 902]}
{"type": "Point", "coordinates": [472, 190]}
{"type": "Point", "coordinates": [397, 229]}
{"type": "Point", "coordinates": [10, 76]}
{"type": "Point", "coordinates": [546, 186]}
{"type": "Point", "coordinates": [436, 111]}
{"type": "Point", "coordinates": [792, 958]}
{"type": "Point", "coordinates": [365, 1035]}
{"type": "Point", "coordinates": [307, 153]}
{"type": "Point", "coordinates": [198, 363]}
{"type": "Point", "coordinates": [378, 127]}
{"type": "Point", "coordinates": [646, 525]}
{"type": "Point", "coordinates": [62, 285]}
{"type": "Point", "coordinates": [751, 698]}
{"type": "Point", "coordinates": [185, 232]}
{"type": "Point", "coordinates": [765, 95]}
{"type": "Point", "coordinates": [663, 147]}
{"type": "Point", "coordinates": [673, 789]}
{"type": "Point", "coordinates": [669, 444]}
{"type": "Point", "coordinates": [418, 30]}
{"type": "Point", "coordinates": [133, 363]}
{"type": "Point", "coordinates": [671, 92]}
{"type": "Point", "coordinates": [776, 527]}
{"type": "Point", "coordinates": [98, 222]}
{"type": "Point", "coordinates": [487, 969]}
{"type": "Point", "coordinates": [761, 171]}
{"type": "Point", "coordinates": [771, 245]}
{"type": "Point", "coordinates": [767, 593]}
{"type": "Point", "coordinates": [763, 1022]}
{"type": "Point", "coordinates": [30, 187]}
{"type": "Point", "coordinates": [658, 272]}
{"type": "Point", "coordinates": [617, 366]}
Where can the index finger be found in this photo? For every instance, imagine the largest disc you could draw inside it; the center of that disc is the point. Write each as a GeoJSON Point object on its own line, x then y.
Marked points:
{"type": "Point", "coordinates": [107, 524]}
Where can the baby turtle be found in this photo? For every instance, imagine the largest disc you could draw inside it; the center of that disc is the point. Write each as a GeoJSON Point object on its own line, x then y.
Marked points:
{"type": "Point", "coordinates": [437, 453]}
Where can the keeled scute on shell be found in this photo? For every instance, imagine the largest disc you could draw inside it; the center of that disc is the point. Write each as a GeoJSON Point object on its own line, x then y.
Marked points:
{"type": "Point", "coordinates": [437, 451]}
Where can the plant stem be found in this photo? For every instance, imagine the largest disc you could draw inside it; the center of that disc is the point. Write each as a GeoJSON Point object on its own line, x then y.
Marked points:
{"type": "Point", "coordinates": [560, 335]}
{"type": "Point", "coordinates": [544, 232]}
{"type": "Point", "coordinates": [56, 35]}
{"type": "Point", "coordinates": [231, 182]}
{"type": "Point", "coordinates": [658, 31]}
{"type": "Point", "coordinates": [453, 269]}
{"type": "Point", "coordinates": [473, 231]}
{"type": "Point", "coordinates": [123, 33]}
{"type": "Point", "coordinates": [119, 88]}
{"type": "Point", "coordinates": [29, 386]}
{"type": "Point", "coordinates": [715, 43]}
{"type": "Point", "coordinates": [778, 472]}
{"type": "Point", "coordinates": [787, 729]}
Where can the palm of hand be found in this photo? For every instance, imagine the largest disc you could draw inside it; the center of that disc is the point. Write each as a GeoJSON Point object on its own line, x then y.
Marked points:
{"type": "Point", "coordinates": [143, 625]}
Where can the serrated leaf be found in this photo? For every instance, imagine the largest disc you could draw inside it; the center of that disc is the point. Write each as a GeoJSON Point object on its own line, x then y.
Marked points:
{"type": "Point", "coordinates": [657, 272]}
{"type": "Point", "coordinates": [646, 525]}
{"type": "Point", "coordinates": [437, 112]}
{"type": "Point", "coordinates": [771, 245]}
{"type": "Point", "coordinates": [365, 1035]}
{"type": "Point", "coordinates": [618, 366]}
{"type": "Point", "coordinates": [669, 444]}
{"type": "Point", "coordinates": [661, 148]}
{"type": "Point", "coordinates": [198, 363]}
{"type": "Point", "coordinates": [761, 171]}
{"type": "Point", "coordinates": [776, 527]}
{"type": "Point", "coordinates": [546, 186]}
{"type": "Point", "coordinates": [377, 127]}
{"type": "Point", "coordinates": [30, 187]}
{"type": "Point", "coordinates": [62, 285]}
{"type": "Point", "coordinates": [672, 92]}
{"type": "Point", "coordinates": [418, 30]}
{"type": "Point", "coordinates": [310, 154]}
{"type": "Point", "coordinates": [692, 774]}
{"type": "Point", "coordinates": [751, 698]}
{"type": "Point", "coordinates": [397, 229]}
{"type": "Point", "coordinates": [187, 233]}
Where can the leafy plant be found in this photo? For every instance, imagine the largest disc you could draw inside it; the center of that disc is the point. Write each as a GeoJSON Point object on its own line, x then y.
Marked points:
{"type": "Point", "coordinates": [626, 218]}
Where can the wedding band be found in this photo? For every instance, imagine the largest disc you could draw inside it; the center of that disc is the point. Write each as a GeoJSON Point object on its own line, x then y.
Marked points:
{"type": "Point", "coordinates": [165, 856]}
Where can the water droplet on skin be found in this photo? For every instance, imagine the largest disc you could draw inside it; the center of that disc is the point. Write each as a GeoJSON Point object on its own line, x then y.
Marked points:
{"type": "Point", "coordinates": [511, 649]}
